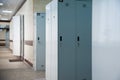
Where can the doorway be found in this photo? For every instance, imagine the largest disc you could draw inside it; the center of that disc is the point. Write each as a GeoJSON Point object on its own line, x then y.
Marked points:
{"type": "Point", "coordinates": [18, 37]}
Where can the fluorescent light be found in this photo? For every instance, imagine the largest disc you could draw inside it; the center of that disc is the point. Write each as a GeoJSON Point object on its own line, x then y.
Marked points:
{"type": "Point", "coordinates": [1, 4]}
{"type": "Point", "coordinates": [3, 19]}
{"type": "Point", "coordinates": [7, 11]}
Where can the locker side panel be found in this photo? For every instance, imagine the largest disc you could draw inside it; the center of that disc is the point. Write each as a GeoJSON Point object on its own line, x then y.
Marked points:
{"type": "Point", "coordinates": [54, 54]}
{"type": "Point", "coordinates": [66, 53]}
{"type": "Point", "coordinates": [83, 40]}
{"type": "Point", "coordinates": [48, 41]}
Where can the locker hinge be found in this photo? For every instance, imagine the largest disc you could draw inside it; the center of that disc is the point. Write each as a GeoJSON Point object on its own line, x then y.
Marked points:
{"type": "Point", "coordinates": [60, 0]}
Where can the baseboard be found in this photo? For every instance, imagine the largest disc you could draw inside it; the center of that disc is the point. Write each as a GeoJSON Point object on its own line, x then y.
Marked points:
{"type": "Point", "coordinates": [27, 61]}
{"type": "Point", "coordinates": [17, 59]}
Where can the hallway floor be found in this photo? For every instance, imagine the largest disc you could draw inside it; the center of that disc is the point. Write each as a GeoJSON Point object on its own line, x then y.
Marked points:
{"type": "Point", "coordinates": [16, 70]}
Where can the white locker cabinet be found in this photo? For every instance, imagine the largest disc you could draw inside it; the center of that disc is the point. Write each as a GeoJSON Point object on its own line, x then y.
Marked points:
{"type": "Point", "coordinates": [39, 42]}
{"type": "Point", "coordinates": [68, 40]}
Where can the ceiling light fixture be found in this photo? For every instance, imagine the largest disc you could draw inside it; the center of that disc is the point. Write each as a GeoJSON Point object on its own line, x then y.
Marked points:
{"type": "Point", "coordinates": [3, 19]}
{"type": "Point", "coordinates": [1, 4]}
{"type": "Point", "coordinates": [7, 11]}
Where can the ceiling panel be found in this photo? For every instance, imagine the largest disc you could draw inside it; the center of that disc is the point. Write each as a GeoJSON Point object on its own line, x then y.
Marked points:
{"type": "Point", "coordinates": [9, 5]}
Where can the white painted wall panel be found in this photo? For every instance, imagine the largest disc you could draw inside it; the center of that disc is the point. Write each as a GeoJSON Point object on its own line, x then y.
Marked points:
{"type": "Point", "coordinates": [106, 40]}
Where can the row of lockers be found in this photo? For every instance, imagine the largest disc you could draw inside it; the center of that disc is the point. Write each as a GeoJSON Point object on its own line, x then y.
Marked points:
{"type": "Point", "coordinates": [82, 40]}
{"type": "Point", "coordinates": [68, 40]}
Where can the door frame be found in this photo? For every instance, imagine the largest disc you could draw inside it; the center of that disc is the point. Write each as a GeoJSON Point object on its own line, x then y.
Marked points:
{"type": "Point", "coordinates": [22, 37]}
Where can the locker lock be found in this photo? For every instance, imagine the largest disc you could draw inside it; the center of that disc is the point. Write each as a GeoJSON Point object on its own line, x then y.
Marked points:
{"type": "Point", "coordinates": [60, 38]}
{"type": "Point", "coordinates": [78, 38]}
{"type": "Point", "coordinates": [38, 38]}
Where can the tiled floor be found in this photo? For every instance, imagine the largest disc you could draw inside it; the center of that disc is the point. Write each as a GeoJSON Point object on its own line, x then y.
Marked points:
{"type": "Point", "coordinates": [16, 70]}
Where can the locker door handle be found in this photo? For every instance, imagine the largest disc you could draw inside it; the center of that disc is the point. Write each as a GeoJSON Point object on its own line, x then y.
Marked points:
{"type": "Point", "coordinates": [38, 38]}
{"type": "Point", "coordinates": [78, 41]}
{"type": "Point", "coordinates": [60, 38]}
{"type": "Point", "coordinates": [78, 38]}
{"type": "Point", "coordinates": [60, 41]}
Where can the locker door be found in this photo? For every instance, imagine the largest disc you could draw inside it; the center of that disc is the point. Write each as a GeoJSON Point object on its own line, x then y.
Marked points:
{"type": "Point", "coordinates": [83, 38]}
{"type": "Point", "coordinates": [66, 37]}
{"type": "Point", "coordinates": [40, 42]}
{"type": "Point", "coordinates": [48, 41]}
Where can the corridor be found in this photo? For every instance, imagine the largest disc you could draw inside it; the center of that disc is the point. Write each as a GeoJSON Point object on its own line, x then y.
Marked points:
{"type": "Point", "coordinates": [16, 70]}
{"type": "Point", "coordinates": [59, 39]}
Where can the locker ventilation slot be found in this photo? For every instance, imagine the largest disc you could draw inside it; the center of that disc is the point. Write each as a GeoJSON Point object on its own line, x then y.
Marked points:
{"type": "Point", "coordinates": [81, 0]}
{"type": "Point", "coordinates": [38, 14]}
{"type": "Point", "coordinates": [60, 0]}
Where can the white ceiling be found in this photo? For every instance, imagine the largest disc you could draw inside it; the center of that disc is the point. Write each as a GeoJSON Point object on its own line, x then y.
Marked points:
{"type": "Point", "coordinates": [11, 5]}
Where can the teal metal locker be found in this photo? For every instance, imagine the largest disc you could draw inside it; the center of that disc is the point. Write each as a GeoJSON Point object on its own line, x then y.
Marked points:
{"type": "Point", "coordinates": [69, 34]}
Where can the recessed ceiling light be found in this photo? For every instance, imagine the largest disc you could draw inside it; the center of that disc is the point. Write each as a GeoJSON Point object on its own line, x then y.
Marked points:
{"type": "Point", "coordinates": [1, 4]}
{"type": "Point", "coordinates": [7, 11]}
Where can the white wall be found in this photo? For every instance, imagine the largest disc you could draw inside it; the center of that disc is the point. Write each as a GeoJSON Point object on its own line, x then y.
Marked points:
{"type": "Point", "coordinates": [106, 40]}
{"type": "Point", "coordinates": [27, 11]}
{"type": "Point", "coordinates": [39, 5]}
{"type": "Point", "coordinates": [4, 23]}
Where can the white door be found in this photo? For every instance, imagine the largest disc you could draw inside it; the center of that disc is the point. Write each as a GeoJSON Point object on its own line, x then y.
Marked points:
{"type": "Point", "coordinates": [16, 35]}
